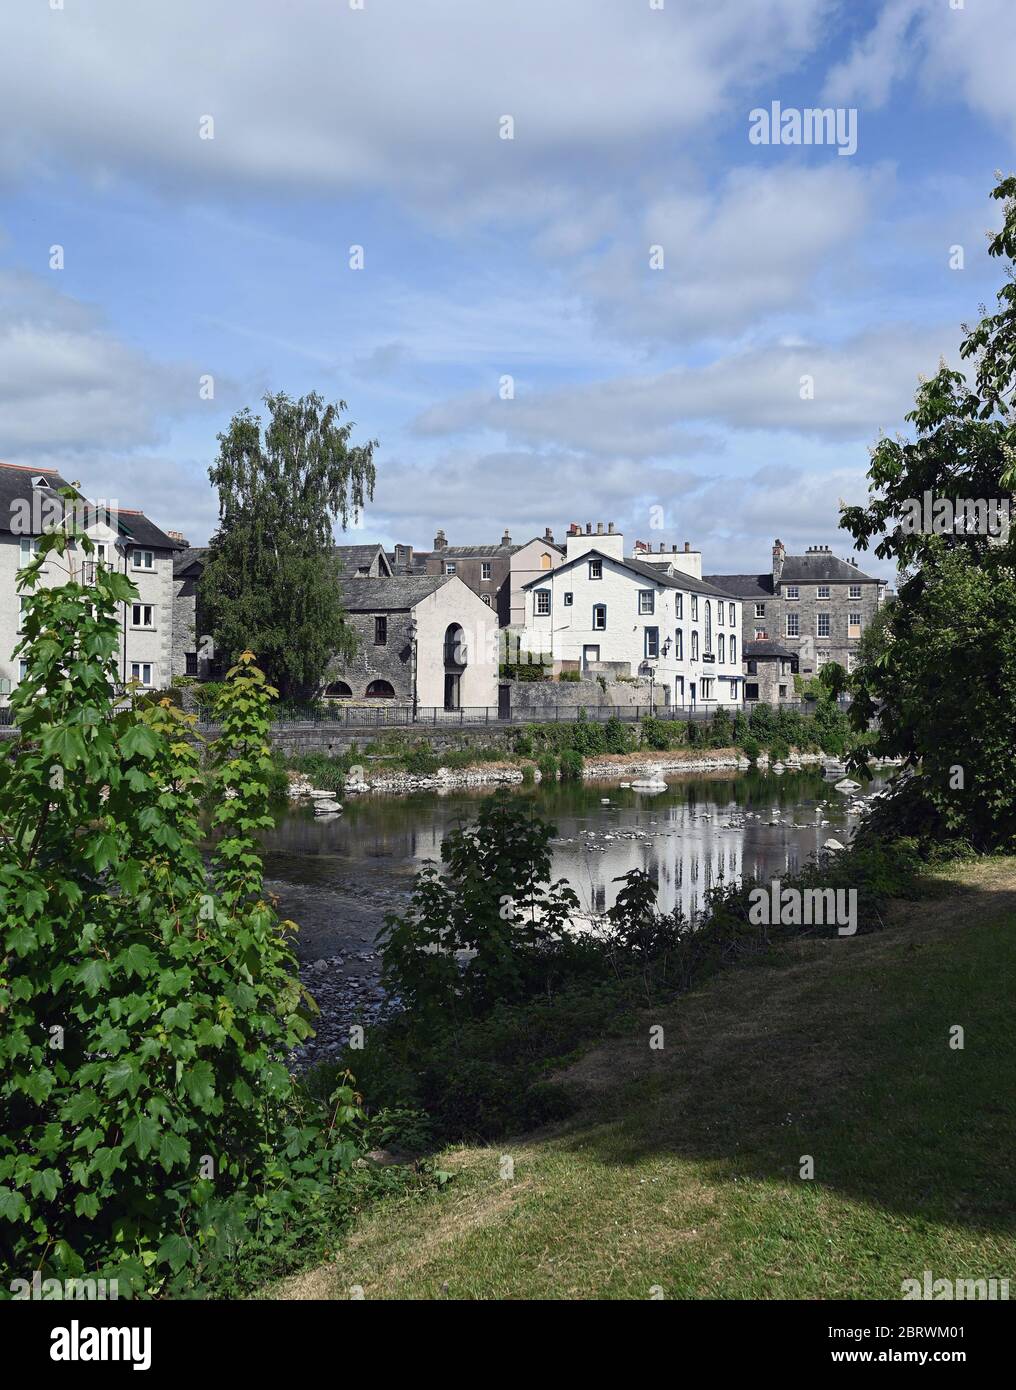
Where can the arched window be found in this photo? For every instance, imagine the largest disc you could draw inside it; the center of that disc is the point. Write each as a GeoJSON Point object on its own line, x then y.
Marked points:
{"type": "Point", "coordinates": [454, 645]}
{"type": "Point", "coordinates": [721, 642]}
{"type": "Point", "coordinates": [709, 626]}
{"type": "Point", "coordinates": [380, 690]}
{"type": "Point", "coordinates": [338, 690]}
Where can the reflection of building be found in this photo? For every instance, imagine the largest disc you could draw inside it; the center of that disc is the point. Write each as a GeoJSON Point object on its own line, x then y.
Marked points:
{"type": "Point", "coordinates": [600, 613]}
{"type": "Point", "coordinates": [815, 604]}
{"type": "Point", "coordinates": [421, 640]}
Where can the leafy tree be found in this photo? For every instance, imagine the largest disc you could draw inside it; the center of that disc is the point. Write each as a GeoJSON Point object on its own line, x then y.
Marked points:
{"type": "Point", "coordinates": [487, 927]}
{"type": "Point", "coordinates": [940, 674]}
{"type": "Point", "coordinates": [272, 581]}
{"type": "Point", "coordinates": [150, 1123]}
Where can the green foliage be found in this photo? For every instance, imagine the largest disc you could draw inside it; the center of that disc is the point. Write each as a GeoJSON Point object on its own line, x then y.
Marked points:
{"type": "Point", "coordinates": [939, 671]}
{"type": "Point", "coordinates": [272, 577]}
{"type": "Point", "coordinates": [571, 765]}
{"type": "Point", "coordinates": [570, 676]}
{"type": "Point", "coordinates": [548, 767]}
{"type": "Point", "coordinates": [656, 733]}
{"type": "Point", "coordinates": [496, 902]}
{"type": "Point", "coordinates": [421, 761]}
{"type": "Point", "coordinates": [617, 736]}
{"type": "Point", "coordinates": [151, 1126]}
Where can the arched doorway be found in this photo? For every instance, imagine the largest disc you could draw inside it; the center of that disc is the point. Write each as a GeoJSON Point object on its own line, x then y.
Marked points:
{"type": "Point", "coordinates": [455, 658]}
{"type": "Point", "coordinates": [380, 690]}
{"type": "Point", "coordinates": [338, 690]}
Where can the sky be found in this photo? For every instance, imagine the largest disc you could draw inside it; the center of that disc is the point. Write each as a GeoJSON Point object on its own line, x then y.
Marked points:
{"type": "Point", "coordinates": [586, 292]}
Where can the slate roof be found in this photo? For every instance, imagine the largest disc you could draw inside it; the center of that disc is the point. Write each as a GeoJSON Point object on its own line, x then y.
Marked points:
{"type": "Point", "coordinates": [193, 556]}
{"type": "Point", "coordinates": [16, 486]}
{"type": "Point", "coordinates": [749, 586]}
{"type": "Point", "coordinates": [766, 648]}
{"type": "Point", "coordinates": [139, 530]}
{"type": "Point", "coordinates": [653, 572]}
{"type": "Point", "coordinates": [354, 557]}
{"type": "Point", "coordinates": [366, 595]}
{"type": "Point", "coordinates": [822, 568]}
{"type": "Point", "coordinates": [482, 552]}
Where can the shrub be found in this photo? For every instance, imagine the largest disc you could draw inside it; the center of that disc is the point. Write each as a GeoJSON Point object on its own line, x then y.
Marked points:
{"type": "Point", "coordinates": [655, 733]}
{"type": "Point", "coordinates": [547, 764]}
{"type": "Point", "coordinates": [570, 676]}
{"type": "Point", "coordinates": [617, 737]}
{"type": "Point", "coordinates": [571, 765]}
{"type": "Point", "coordinates": [752, 748]}
{"type": "Point", "coordinates": [421, 761]}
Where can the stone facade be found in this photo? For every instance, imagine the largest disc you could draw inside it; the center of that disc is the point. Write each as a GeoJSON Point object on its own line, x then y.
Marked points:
{"type": "Point", "coordinates": [769, 671]}
{"type": "Point", "coordinates": [815, 605]}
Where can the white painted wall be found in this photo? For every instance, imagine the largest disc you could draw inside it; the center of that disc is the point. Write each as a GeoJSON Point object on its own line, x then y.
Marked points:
{"type": "Point", "coordinates": [568, 629]}
{"type": "Point", "coordinates": [137, 644]}
{"type": "Point", "coordinates": [453, 602]}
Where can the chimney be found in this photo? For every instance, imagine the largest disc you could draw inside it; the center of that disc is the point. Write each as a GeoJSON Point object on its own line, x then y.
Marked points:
{"type": "Point", "coordinates": [439, 541]}
{"type": "Point", "coordinates": [506, 539]}
{"type": "Point", "coordinates": [687, 547]}
{"type": "Point", "coordinates": [779, 555]}
{"type": "Point", "coordinates": [177, 536]}
{"type": "Point", "coordinates": [548, 535]}
{"type": "Point", "coordinates": [610, 528]}
{"type": "Point", "coordinates": [589, 528]}
{"type": "Point", "coordinates": [662, 547]}
{"type": "Point", "coordinates": [574, 529]}
{"type": "Point", "coordinates": [599, 528]}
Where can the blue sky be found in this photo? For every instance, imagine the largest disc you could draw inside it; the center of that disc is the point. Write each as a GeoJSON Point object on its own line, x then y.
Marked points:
{"type": "Point", "coordinates": [639, 394]}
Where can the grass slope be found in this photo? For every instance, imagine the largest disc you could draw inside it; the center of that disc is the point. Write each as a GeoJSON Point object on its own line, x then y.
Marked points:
{"type": "Point", "coordinates": [682, 1171]}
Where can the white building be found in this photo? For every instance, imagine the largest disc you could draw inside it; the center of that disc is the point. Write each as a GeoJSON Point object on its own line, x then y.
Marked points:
{"type": "Point", "coordinates": [605, 614]}
{"type": "Point", "coordinates": [30, 505]}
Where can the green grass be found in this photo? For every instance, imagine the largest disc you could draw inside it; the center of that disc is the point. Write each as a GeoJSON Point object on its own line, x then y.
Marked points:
{"type": "Point", "coordinates": [681, 1169]}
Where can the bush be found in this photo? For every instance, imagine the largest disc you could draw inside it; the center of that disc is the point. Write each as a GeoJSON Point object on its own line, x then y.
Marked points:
{"type": "Point", "coordinates": [655, 733]}
{"type": "Point", "coordinates": [617, 738]}
{"type": "Point", "coordinates": [570, 676]}
{"type": "Point", "coordinates": [547, 764]}
{"type": "Point", "coordinates": [421, 761]}
{"type": "Point", "coordinates": [571, 765]}
{"type": "Point", "coordinates": [147, 1005]}
{"type": "Point", "coordinates": [751, 749]}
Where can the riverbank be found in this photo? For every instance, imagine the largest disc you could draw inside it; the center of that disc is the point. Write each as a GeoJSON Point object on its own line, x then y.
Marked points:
{"type": "Point", "coordinates": [683, 1172]}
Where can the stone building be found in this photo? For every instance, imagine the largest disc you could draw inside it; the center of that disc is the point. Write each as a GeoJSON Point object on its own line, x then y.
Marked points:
{"type": "Point", "coordinates": [769, 671]}
{"type": "Point", "coordinates": [193, 654]}
{"type": "Point", "coordinates": [422, 640]}
{"type": "Point", "coordinates": [815, 605]}
{"type": "Point", "coordinates": [363, 561]}
{"type": "Point", "coordinates": [497, 573]}
{"type": "Point", "coordinates": [124, 539]}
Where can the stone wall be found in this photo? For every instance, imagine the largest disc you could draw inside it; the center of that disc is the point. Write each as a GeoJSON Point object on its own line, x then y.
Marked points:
{"type": "Point", "coordinates": [392, 662]}
{"type": "Point", "coordinates": [538, 698]}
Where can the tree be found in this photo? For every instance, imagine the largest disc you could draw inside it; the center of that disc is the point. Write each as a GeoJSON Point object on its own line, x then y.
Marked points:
{"type": "Point", "coordinates": [147, 1006]}
{"type": "Point", "coordinates": [272, 579]}
{"type": "Point", "coordinates": [940, 674]}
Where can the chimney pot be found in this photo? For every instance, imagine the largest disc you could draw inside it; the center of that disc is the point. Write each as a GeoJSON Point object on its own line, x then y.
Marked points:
{"type": "Point", "coordinates": [687, 547]}
{"type": "Point", "coordinates": [599, 528]}
{"type": "Point", "coordinates": [439, 541]}
{"type": "Point", "coordinates": [589, 528]}
{"type": "Point", "coordinates": [548, 535]}
{"type": "Point", "coordinates": [610, 528]}
{"type": "Point", "coordinates": [506, 538]}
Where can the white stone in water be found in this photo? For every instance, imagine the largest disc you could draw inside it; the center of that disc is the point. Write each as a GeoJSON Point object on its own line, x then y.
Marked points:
{"type": "Point", "coordinates": [847, 786]}
{"type": "Point", "coordinates": [604, 800]}
{"type": "Point", "coordinates": [832, 846]}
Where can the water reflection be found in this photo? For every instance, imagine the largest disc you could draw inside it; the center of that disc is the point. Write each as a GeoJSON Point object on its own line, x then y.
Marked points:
{"type": "Point", "coordinates": [704, 830]}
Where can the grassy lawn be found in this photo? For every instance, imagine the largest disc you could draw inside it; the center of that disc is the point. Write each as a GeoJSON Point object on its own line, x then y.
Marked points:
{"type": "Point", "coordinates": [682, 1170]}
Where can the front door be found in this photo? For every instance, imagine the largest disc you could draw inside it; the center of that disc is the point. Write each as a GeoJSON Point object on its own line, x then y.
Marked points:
{"type": "Point", "coordinates": [451, 690]}
{"type": "Point", "coordinates": [589, 654]}
{"type": "Point", "coordinates": [691, 689]}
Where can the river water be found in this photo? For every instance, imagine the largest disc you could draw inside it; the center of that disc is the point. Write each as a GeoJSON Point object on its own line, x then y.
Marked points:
{"type": "Point", "coordinates": [338, 878]}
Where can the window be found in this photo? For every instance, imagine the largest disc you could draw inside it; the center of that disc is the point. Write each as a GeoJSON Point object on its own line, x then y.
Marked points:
{"type": "Point", "coordinates": [545, 561]}
{"type": "Point", "coordinates": [793, 591]}
{"type": "Point", "coordinates": [100, 553]}
{"type": "Point", "coordinates": [707, 689]}
{"type": "Point", "coordinates": [721, 643]}
{"type": "Point", "coordinates": [855, 591]}
{"type": "Point", "coordinates": [449, 567]}
{"type": "Point", "coordinates": [750, 690]}
{"type": "Point", "coordinates": [760, 634]}
{"type": "Point", "coordinates": [142, 615]}
{"type": "Point", "coordinates": [569, 599]}
{"type": "Point", "coordinates": [753, 667]}
{"type": "Point", "coordinates": [652, 646]}
{"type": "Point", "coordinates": [719, 615]}
{"type": "Point", "coordinates": [709, 626]}
{"type": "Point", "coordinates": [599, 617]}
{"type": "Point", "coordinates": [338, 690]}
{"type": "Point", "coordinates": [542, 602]}
{"type": "Point", "coordinates": [381, 631]}
{"type": "Point", "coordinates": [22, 669]}
{"type": "Point", "coordinates": [380, 690]}
{"type": "Point", "coordinates": [29, 549]}
{"type": "Point", "coordinates": [694, 607]}
{"type": "Point", "coordinates": [823, 629]}
{"type": "Point", "coordinates": [485, 598]}
{"type": "Point", "coordinates": [485, 569]}
{"type": "Point", "coordinates": [730, 614]}
{"type": "Point", "coordinates": [190, 663]}
{"type": "Point", "coordinates": [822, 591]}
{"type": "Point", "coordinates": [678, 645]}
{"type": "Point", "coordinates": [793, 624]}
{"type": "Point", "coordinates": [760, 610]}
{"type": "Point", "coordinates": [679, 605]}
{"type": "Point", "coordinates": [647, 601]}
{"type": "Point", "coordinates": [694, 646]}
{"type": "Point", "coordinates": [853, 625]}
{"type": "Point", "coordinates": [143, 559]}
{"type": "Point", "coordinates": [733, 650]}
{"type": "Point", "coordinates": [783, 692]}
{"type": "Point", "coordinates": [596, 569]}
{"type": "Point", "coordinates": [141, 671]}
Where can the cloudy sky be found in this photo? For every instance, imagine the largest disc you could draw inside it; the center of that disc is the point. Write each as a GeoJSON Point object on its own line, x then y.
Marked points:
{"type": "Point", "coordinates": [658, 389]}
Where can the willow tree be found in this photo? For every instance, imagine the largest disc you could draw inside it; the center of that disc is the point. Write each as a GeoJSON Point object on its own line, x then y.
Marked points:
{"type": "Point", "coordinates": [271, 581]}
{"type": "Point", "coordinates": [942, 677]}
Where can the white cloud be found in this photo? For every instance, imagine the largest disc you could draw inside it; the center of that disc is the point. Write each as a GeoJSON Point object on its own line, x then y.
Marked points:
{"type": "Point", "coordinates": [67, 381]}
